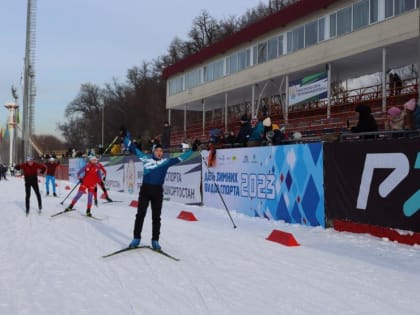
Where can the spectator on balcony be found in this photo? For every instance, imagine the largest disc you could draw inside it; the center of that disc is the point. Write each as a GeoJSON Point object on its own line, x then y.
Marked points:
{"type": "Point", "coordinates": [166, 136]}
{"type": "Point", "coordinates": [196, 146]}
{"type": "Point", "coordinates": [215, 136]}
{"type": "Point", "coordinates": [398, 84]}
{"type": "Point", "coordinates": [267, 126]}
{"type": "Point", "coordinates": [366, 122]}
{"type": "Point", "coordinates": [412, 118]}
{"type": "Point", "coordinates": [186, 144]}
{"type": "Point", "coordinates": [395, 84]}
{"type": "Point", "coordinates": [245, 130]}
{"type": "Point", "coordinates": [391, 83]}
{"type": "Point", "coordinates": [273, 133]}
{"type": "Point", "coordinates": [231, 138]}
{"type": "Point", "coordinates": [276, 135]}
{"type": "Point", "coordinates": [257, 131]}
{"type": "Point", "coordinates": [395, 119]}
{"type": "Point", "coordinates": [152, 143]}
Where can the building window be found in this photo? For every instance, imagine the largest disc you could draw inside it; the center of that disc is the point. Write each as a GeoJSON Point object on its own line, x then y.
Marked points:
{"type": "Point", "coordinates": [389, 8]}
{"type": "Point", "coordinates": [344, 21]}
{"type": "Point", "coordinates": [280, 45]}
{"type": "Point", "coordinates": [176, 85]}
{"type": "Point", "coordinates": [272, 48]}
{"type": "Point", "coordinates": [214, 70]}
{"type": "Point", "coordinates": [296, 39]}
{"type": "Point", "coordinates": [311, 33]}
{"type": "Point", "coordinates": [333, 25]}
{"type": "Point", "coordinates": [244, 59]}
{"type": "Point", "coordinates": [260, 53]}
{"type": "Point", "coordinates": [360, 14]}
{"type": "Point", "coordinates": [232, 64]}
{"type": "Point", "coordinates": [321, 29]}
{"type": "Point", "coordinates": [192, 78]}
{"type": "Point", "coordinates": [374, 9]}
{"type": "Point", "coordinates": [402, 6]}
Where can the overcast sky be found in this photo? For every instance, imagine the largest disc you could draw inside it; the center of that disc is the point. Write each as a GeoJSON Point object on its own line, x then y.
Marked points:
{"type": "Point", "coordinates": [94, 41]}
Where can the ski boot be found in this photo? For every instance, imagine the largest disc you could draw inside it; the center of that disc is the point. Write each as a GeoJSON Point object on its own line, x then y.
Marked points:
{"type": "Point", "coordinates": [155, 245]}
{"type": "Point", "coordinates": [134, 243]}
{"type": "Point", "coordinates": [88, 213]}
{"type": "Point", "coordinates": [69, 208]}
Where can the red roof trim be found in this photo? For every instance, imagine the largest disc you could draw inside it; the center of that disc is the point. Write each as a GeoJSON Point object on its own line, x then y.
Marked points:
{"type": "Point", "coordinates": [276, 20]}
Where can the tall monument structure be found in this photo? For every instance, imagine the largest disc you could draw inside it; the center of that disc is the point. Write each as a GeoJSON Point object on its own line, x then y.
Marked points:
{"type": "Point", "coordinates": [29, 89]}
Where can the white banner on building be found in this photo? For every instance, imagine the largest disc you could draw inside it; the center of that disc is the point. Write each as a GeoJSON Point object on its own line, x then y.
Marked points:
{"type": "Point", "coordinates": [310, 88]}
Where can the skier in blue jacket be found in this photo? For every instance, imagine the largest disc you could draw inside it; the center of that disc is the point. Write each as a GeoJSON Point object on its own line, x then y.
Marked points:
{"type": "Point", "coordinates": [151, 190]}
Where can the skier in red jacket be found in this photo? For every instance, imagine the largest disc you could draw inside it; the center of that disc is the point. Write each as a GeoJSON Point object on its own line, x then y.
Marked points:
{"type": "Point", "coordinates": [102, 176]}
{"type": "Point", "coordinates": [30, 172]}
{"type": "Point", "coordinates": [89, 176]}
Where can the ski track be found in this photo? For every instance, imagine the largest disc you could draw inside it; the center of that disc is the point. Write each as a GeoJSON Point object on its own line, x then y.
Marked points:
{"type": "Point", "coordinates": [54, 265]}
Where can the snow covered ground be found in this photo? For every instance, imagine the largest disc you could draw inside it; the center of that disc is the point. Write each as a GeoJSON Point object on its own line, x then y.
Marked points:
{"type": "Point", "coordinates": [54, 265]}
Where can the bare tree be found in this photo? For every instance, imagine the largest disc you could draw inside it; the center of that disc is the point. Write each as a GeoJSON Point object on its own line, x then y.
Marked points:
{"type": "Point", "coordinates": [84, 114]}
{"type": "Point", "coordinates": [205, 31]}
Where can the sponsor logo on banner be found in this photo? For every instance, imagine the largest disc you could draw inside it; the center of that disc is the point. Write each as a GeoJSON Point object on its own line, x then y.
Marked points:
{"type": "Point", "coordinates": [399, 164]}
{"type": "Point", "coordinates": [374, 182]}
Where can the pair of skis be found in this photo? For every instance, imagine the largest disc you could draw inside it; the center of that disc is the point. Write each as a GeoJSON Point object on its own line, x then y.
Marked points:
{"type": "Point", "coordinates": [126, 249]}
{"type": "Point", "coordinates": [66, 211]}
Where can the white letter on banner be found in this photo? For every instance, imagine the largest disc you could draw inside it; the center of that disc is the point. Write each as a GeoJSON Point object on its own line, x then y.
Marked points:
{"type": "Point", "coordinates": [397, 161]}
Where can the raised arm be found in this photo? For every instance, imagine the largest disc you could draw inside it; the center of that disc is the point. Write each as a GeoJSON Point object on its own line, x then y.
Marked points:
{"type": "Point", "coordinates": [140, 154]}
{"type": "Point", "coordinates": [184, 156]}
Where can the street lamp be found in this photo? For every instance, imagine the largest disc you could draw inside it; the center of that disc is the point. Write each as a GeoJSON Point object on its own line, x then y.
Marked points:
{"type": "Point", "coordinates": [103, 123]}
{"type": "Point", "coordinates": [11, 123]}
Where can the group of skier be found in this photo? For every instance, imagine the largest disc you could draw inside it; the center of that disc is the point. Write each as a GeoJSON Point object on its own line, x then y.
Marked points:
{"type": "Point", "coordinates": [94, 173]}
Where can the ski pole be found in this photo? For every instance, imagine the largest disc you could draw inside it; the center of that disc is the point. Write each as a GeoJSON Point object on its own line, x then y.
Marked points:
{"type": "Point", "coordinates": [70, 192]}
{"type": "Point", "coordinates": [220, 195]}
{"type": "Point", "coordinates": [110, 145]}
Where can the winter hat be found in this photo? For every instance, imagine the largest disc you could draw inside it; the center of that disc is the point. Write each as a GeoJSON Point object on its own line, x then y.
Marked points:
{"type": "Point", "coordinates": [363, 109]}
{"type": "Point", "coordinates": [394, 111]}
{"type": "Point", "coordinates": [157, 146]}
{"type": "Point", "coordinates": [275, 127]}
{"type": "Point", "coordinates": [51, 159]}
{"type": "Point", "coordinates": [267, 122]}
{"type": "Point", "coordinates": [93, 158]}
{"type": "Point", "coordinates": [297, 135]}
{"type": "Point", "coordinates": [244, 118]}
{"type": "Point", "coordinates": [410, 105]}
{"type": "Point", "coordinates": [29, 158]}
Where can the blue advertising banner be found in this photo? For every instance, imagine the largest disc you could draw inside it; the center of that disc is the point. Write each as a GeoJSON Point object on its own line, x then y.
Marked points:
{"type": "Point", "coordinates": [276, 182]}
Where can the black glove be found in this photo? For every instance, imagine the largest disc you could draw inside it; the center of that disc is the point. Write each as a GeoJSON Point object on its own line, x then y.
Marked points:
{"type": "Point", "coordinates": [104, 179]}
{"type": "Point", "coordinates": [81, 180]}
